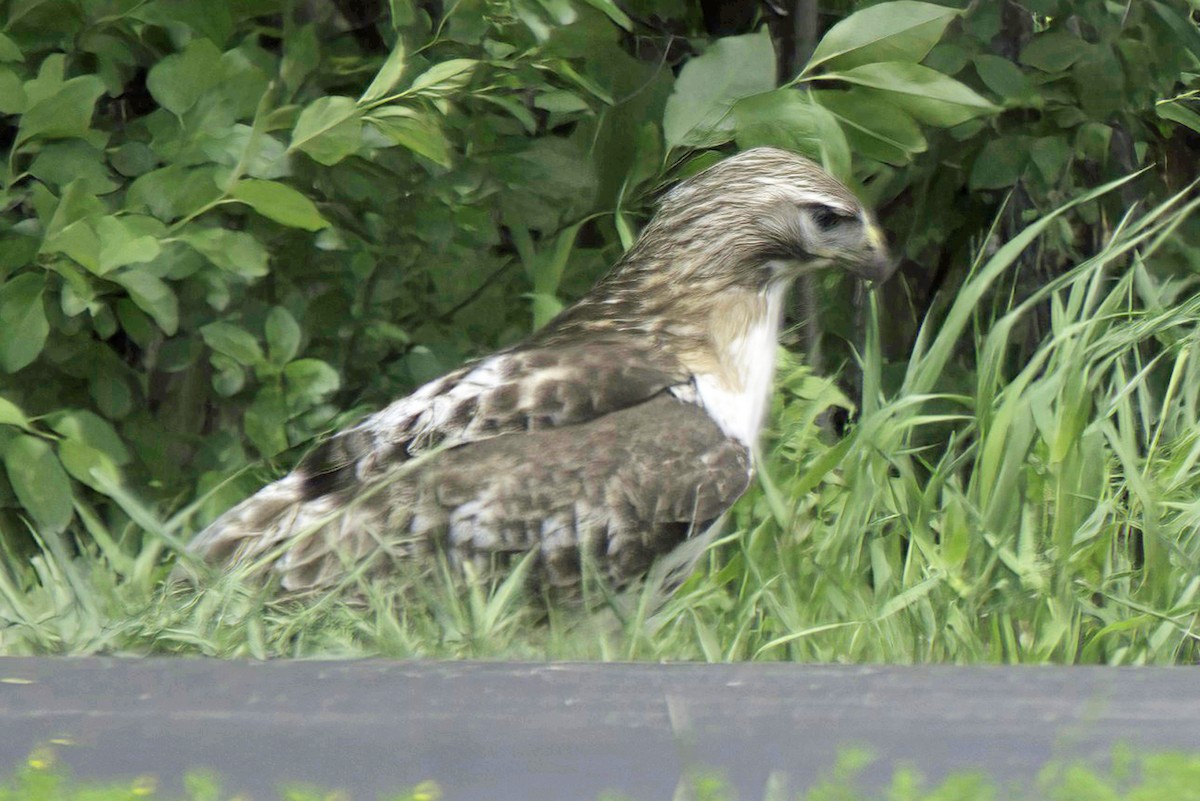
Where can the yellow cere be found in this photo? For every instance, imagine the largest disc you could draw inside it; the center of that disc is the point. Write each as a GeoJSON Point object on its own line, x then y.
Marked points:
{"type": "Point", "coordinates": [875, 236]}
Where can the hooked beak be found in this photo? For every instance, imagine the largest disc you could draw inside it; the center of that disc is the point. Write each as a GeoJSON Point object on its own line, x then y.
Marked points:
{"type": "Point", "coordinates": [878, 265]}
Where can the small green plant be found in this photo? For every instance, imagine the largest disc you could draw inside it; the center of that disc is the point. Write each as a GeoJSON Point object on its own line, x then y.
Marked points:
{"type": "Point", "coordinates": [1129, 776]}
{"type": "Point", "coordinates": [45, 777]}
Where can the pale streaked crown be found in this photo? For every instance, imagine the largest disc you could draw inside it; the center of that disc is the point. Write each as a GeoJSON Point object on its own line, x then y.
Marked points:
{"type": "Point", "coordinates": [767, 205]}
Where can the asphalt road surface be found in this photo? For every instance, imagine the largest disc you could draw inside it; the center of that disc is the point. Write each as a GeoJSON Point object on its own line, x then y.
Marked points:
{"type": "Point", "coordinates": [571, 731]}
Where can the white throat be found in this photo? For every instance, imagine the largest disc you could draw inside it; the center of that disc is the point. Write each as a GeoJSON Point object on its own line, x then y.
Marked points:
{"type": "Point", "coordinates": [739, 410]}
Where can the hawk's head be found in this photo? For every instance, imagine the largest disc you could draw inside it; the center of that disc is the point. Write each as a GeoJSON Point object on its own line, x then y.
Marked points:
{"type": "Point", "coordinates": [760, 216]}
{"type": "Point", "coordinates": [712, 265]}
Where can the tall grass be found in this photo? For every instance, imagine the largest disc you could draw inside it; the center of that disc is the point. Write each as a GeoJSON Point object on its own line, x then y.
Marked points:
{"type": "Point", "coordinates": [1046, 511]}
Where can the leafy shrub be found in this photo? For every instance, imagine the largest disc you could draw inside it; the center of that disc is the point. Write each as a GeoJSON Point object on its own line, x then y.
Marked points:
{"type": "Point", "coordinates": [216, 219]}
{"type": "Point", "coordinates": [212, 225]}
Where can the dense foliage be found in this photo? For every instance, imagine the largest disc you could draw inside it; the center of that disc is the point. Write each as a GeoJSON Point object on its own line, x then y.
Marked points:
{"type": "Point", "coordinates": [229, 227]}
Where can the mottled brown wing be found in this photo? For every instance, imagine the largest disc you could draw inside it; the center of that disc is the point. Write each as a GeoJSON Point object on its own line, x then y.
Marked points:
{"type": "Point", "coordinates": [517, 390]}
{"type": "Point", "coordinates": [520, 390]}
{"type": "Point", "coordinates": [619, 491]}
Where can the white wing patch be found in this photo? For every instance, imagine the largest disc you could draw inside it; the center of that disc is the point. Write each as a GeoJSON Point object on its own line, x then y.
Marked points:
{"type": "Point", "coordinates": [428, 410]}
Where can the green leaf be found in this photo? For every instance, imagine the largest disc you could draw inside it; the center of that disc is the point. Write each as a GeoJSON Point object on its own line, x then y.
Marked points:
{"type": "Point", "coordinates": [88, 465]}
{"type": "Point", "coordinates": [153, 296]}
{"type": "Point", "coordinates": [23, 323]}
{"type": "Point", "coordinates": [444, 76]}
{"type": "Point", "coordinates": [301, 55]}
{"type": "Point", "coordinates": [948, 58]}
{"type": "Point", "coordinates": [1100, 82]}
{"type": "Point", "coordinates": [402, 12]}
{"type": "Point", "coordinates": [212, 21]}
{"type": "Point", "coordinates": [39, 481]}
{"type": "Point", "coordinates": [1093, 140]}
{"type": "Point", "coordinates": [560, 101]}
{"type": "Point", "coordinates": [1053, 51]}
{"type": "Point", "coordinates": [927, 95]}
{"type": "Point", "coordinates": [527, 12]}
{"type": "Point", "coordinates": [9, 50]}
{"type": "Point", "coordinates": [610, 9]}
{"type": "Point", "coordinates": [329, 129]}
{"type": "Point", "coordinates": [173, 191]}
{"type": "Point", "coordinates": [1181, 24]}
{"type": "Point", "coordinates": [235, 251]}
{"type": "Point", "coordinates": [236, 343]}
{"type": "Point", "coordinates": [1177, 112]}
{"type": "Point", "coordinates": [65, 113]}
{"type": "Point", "coordinates": [545, 308]}
{"type": "Point", "coordinates": [898, 31]}
{"type": "Point", "coordinates": [418, 132]}
{"type": "Point", "coordinates": [60, 163]}
{"type": "Point", "coordinates": [76, 203]}
{"type": "Point", "coordinates": [121, 244]}
{"type": "Point", "coordinates": [11, 414]}
{"type": "Point", "coordinates": [787, 119]}
{"type": "Point", "coordinates": [91, 429]}
{"type": "Point", "coordinates": [16, 251]}
{"type": "Point", "coordinates": [260, 155]}
{"type": "Point", "coordinates": [560, 11]}
{"type": "Point", "coordinates": [562, 183]}
{"type": "Point", "coordinates": [108, 382]}
{"type": "Point", "coordinates": [624, 230]}
{"type": "Point", "coordinates": [12, 93]}
{"type": "Point", "coordinates": [78, 293]}
{"type": "Point", "coordinates": [283, 335]}
{"type": "Point", "coordinates": [230, 376]}
{"type": "Point", "coordinates": [565, 70]}
{"type": "Point", "coordinates": [388, 75]}
{"type": "Point", "coordinates": [308, 382]}
{"type": "Point", "coordinates": [279, 202]}
{"type": "Point", "coordinates": [547, 267]}
{"type": "Point", "coordinates": [874, 127]}
{"type": "Point", "coordinates": [1050, 154]}
{"type": "Point", "coordinates": [697, 112]}
{"type": "Point", "coordinates": [136, 324]}
{"type": "Point", "coordinates": [51, 75]}
{"type": "Point", "coordinates": [1005, 79]}
{"type": "Point", "coordinates": [179, 80]}
{"type": "Point", "coordinates": [1000, 163]}
{"type": "Point", "coordinates": [265, 421]}
{"type": "Point", "coordinates": [518, 111]}
{"type": "Point", "coordinates": [79, 241]}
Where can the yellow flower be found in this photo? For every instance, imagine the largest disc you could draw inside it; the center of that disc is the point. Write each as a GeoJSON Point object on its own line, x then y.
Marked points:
{"type": "Point", "coordinates": [41, 759]}
{"type": "Point", "coordinates": [144, 785]}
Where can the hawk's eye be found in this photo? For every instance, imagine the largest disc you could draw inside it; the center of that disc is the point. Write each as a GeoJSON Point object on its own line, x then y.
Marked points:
{"type": "Point", "coordinates": [826, 218]}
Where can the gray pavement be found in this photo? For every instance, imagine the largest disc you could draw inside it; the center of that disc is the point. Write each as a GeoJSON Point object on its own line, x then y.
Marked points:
{"type": "Point", "coordinates": [570, 731]}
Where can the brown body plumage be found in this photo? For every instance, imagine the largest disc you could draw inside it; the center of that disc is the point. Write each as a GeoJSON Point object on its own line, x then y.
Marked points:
{"type": "Point", "coordinates": [614, 433]}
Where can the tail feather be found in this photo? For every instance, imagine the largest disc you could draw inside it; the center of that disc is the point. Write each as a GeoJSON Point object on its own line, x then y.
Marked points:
{"type": "Point", "coordinates": [309, 543]}
{"type": "Point", "coordinates": [247, 534]}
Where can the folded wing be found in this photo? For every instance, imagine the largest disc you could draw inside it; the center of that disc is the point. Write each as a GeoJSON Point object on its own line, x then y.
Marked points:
{"type": "Point", "coordinates": [617, 491]}
{"type": "Point", "coordinates": [369, 488]}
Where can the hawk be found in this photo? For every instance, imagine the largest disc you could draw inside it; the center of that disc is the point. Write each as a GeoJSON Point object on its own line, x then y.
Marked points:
{"type": "Point", "coordinates": [625, 425]}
